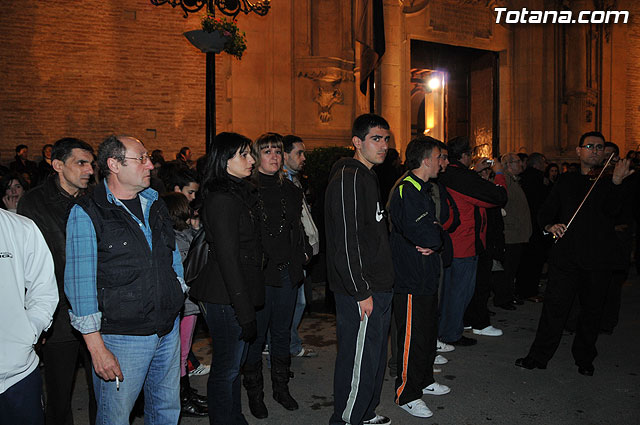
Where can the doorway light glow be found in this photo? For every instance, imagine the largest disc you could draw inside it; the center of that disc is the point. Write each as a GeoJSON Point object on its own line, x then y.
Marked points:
{"type": "Point", "coordinates": [434, 83]}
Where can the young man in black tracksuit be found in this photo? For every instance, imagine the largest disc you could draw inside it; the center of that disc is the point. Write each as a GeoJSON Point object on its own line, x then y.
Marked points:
{"type": "Point", "coordinates": [360, 273]}
{"type": "Point", "coordinates": [416, 243]}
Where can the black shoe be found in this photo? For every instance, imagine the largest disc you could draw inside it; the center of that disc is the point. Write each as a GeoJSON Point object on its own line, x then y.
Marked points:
{"type": "Point", "coordinates": [529, 363]}
{"type": "Point", "coordinates": [257, 406]}
{"type": "Point", "coordinates": [464, 342]}
{"type": "Point", "coordinates": [507, 306]}
{"type": "Point", "coordinates": [586, 370]}
{"type": "Point", "coordinates": [283, 397]}
{"type": "Point", "coordinates": [196, 398]}
{"type": "Point", "coordinates": [189, 408]}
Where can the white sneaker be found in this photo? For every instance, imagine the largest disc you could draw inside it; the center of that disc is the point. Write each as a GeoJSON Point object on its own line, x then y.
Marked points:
{"type": "Point", "coordinates": [437, 370]}
{"type": "Point", "coordinates": [417, 408]}
{"type": "Point", "coordinates": [379, 419]}
{"type": "Point", "coordinates": [440, 360]}
{"type": "Point", "coordinates": [436, 389]}
{"type": "Point", "coordinates": [488, 331]}
{"type": "Point", "coordinates": [443, 347]}
{"type": "Point", "coordinates": [203, 369]}
{"type": "Point", "coordinates": [467, 328]}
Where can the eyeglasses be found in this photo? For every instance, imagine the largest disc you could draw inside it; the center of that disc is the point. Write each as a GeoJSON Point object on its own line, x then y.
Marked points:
{"type": "Point", "coordinates": [591, 146]}
{"type": "Point", "coordinates": [144, 158]}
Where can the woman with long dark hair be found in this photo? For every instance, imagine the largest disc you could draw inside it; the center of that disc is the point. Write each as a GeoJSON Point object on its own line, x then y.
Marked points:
{"type": "Point", "coordinates": [286, 249]}
{"type": "Point", "coordinates": [230, 287]}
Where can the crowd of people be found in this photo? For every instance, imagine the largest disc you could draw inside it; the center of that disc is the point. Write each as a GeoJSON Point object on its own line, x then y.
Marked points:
{"type": "Point", "coordinates": [116, 253]}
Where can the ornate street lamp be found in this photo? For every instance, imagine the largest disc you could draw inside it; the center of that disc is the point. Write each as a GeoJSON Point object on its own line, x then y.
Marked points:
{"type": "Point", "coordinates": [226, 7]}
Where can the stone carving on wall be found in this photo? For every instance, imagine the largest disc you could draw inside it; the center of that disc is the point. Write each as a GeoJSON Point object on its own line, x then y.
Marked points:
{"type": "Point", "coordinates": [327, 81]}
{"type": "Point", "coordinates": [326, 97]}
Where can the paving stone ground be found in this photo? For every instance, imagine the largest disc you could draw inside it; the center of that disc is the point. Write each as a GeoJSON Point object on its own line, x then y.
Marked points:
{"type": "Point", "coordinates": [486, 386]}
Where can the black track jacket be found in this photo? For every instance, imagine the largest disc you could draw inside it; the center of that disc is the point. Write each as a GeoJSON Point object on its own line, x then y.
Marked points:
{"type": "Point", "coordinates": [358, 253]}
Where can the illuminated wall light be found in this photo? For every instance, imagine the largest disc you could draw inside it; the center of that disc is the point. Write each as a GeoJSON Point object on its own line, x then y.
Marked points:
{"type": "Point", "coordinates": [434, 83]}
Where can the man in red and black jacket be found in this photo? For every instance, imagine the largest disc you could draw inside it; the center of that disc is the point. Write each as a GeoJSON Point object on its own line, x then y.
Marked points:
{"type": "Point", "coordinates": [472, 195]}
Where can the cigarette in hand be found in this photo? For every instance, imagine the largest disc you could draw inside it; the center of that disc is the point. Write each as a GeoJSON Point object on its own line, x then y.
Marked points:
{"type": "Point", "coordinates": [117, 384]}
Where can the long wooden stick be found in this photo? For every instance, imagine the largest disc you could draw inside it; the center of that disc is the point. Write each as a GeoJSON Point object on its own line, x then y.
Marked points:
{"type": "Point", "coordinates": [586, 196]}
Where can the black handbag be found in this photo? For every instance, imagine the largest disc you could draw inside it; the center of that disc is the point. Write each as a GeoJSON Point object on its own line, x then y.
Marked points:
{"type": "Point", "coordinates": [197, 257]}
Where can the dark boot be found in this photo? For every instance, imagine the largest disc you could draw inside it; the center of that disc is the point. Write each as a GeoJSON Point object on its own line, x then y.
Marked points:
{"type": "Point", "coordinates": [254, 384]}
{"type": "Point", "coordinates": [190, 401]}
{"type": "Point", "coordinates": [280, 382]}
{"type": "Point", "coordinates": [186, 390]}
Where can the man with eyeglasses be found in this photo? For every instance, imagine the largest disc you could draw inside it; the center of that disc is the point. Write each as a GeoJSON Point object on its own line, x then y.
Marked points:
{"type": "Point", "coordinates": [583, 258]}
{"type": "Point", "coordinates": [123, 279]}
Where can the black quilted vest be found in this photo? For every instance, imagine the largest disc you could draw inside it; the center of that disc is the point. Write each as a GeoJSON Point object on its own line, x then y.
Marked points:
{"type": "Point", "coordinates": [138, 290]}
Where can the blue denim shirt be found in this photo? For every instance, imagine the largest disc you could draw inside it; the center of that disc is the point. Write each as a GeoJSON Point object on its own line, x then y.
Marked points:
{"type": "Point", "coordinates": [80, 284]}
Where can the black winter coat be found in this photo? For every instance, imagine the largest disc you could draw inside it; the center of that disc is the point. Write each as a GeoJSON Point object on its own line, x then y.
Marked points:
{"type": "Point", "coordinates": [283, 238]}
{"type": "Point", "coordinates": [233, 274]}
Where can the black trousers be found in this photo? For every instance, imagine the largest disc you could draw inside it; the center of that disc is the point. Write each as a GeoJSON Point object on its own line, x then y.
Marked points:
{"type": "Point", "coordinates": [361, 358]}
{"type": "Point", "coordinates": [565, 283]}
{"type": "Point", "coordinates": [60, 359]}
{"type": "Point", "coordinates": [533, 258]}
{"type": "Point", "coordinates": [611, 311]}
{"type": "Point", "coordinates": [512, 256]}
{"type": "Point", "coordinates": [477, 315]}
{"type": "Point", "coordinates": [416, 319]}
{"type": "Point", "coordinates": [21, 403]}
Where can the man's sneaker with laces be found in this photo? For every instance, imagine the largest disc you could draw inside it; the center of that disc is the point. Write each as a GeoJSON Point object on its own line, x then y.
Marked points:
{"type": "Point", "coordinates": [417, 408]}
{"type": "Point", "coordinates": [203, 369]}
{"type": "Point", "coordinates": [440, 360]}
{"type": "Point", "coordinates": [443, 347]}
{"type": "Point", "coordinates": [379, 419]}
{"type": "Point", "coordinates": [436, 389]}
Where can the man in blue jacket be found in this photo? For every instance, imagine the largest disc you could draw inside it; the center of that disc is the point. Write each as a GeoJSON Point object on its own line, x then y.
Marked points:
{"type": "Point", "coordinates": [416, 242]}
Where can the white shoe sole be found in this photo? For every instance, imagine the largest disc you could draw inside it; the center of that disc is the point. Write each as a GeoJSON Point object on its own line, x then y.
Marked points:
{"type": "Point", "coordinates": [489, 333]}
{"type": "Point", "coordinates": [417, 413]}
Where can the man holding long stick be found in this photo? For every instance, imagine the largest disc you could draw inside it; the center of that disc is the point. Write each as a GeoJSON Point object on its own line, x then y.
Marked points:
{"type": "Point", "coordinates": [582, 259]}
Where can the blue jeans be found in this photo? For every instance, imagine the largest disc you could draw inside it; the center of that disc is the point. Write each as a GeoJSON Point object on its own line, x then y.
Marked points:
{"type": "Point", "coordinates": [457, 289]}
{"type": "Point", "coordinates": [151, 362]}
{"type": "Point", "coordinates": [296, 342]}
{"type": "Point", "coordinates": [228, 356]}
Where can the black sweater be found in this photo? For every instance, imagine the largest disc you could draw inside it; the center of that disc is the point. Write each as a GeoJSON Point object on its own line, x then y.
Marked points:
{"type": "Point", "coordinates": [590, 243]}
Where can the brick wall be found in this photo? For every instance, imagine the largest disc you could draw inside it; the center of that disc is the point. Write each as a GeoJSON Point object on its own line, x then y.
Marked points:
{"type": "Point", "coordinates": [88, 69]}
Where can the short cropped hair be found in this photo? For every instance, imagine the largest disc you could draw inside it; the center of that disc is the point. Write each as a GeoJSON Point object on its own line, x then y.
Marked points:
{"type": "Point", "coordinates": [615, 147]}
{"type": "Point", "coordinates": [366, 122]}
{"type": "Point", "coordinates": [111, 147]}
{"type": "Point", "coordinates": [288, 141]}
{"type": "Point", "coordinates": [590, 134]}
{"type": "Point", "coordinates": [62, 148]}
{"type": "Point", "coordinates": [418, 149]}
{"type": "Point", "coordinates": [181, 177]}
{"type": "Point", "coordinates": [457, 146]}
{"type": "Point", "coordinates": [536, 158]}
{"type": "Point", "coordinates": [20, 147]}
